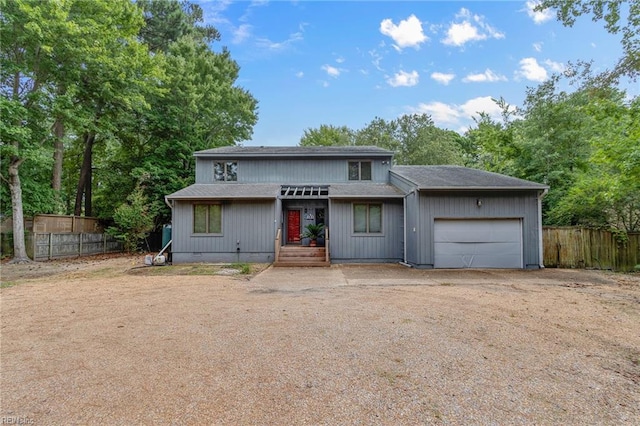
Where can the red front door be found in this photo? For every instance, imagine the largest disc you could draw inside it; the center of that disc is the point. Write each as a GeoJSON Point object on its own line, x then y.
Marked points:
{"type": "Point", "coordinates": [293, 226]}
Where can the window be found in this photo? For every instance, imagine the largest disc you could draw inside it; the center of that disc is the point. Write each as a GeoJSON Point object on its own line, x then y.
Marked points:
{"type": "Point", "coordinates": [359, 170]}
{"type": "Point", "coordinates": [207, 219]}
{"type": "Point", "coordinates": [367, 218]}
{"type": "Point", "coordinates": [227, 172]}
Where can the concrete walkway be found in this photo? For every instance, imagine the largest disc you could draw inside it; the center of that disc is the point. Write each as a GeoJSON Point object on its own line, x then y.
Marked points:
{"type": "Point", "coordinates": [298, 279]}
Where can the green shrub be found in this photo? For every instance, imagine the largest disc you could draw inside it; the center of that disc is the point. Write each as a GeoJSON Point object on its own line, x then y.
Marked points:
{"type": "Point", "coordinates": [133, 220]}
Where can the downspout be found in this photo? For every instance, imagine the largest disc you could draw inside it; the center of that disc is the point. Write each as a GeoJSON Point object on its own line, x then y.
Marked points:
{"type": "Point", "coordinates": [541, 242]}
{"type": "Point", "coordinates": [406, 233]}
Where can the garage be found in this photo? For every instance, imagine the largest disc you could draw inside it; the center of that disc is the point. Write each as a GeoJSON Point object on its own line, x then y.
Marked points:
{"type": "Point", "coordinates": [478, 243]}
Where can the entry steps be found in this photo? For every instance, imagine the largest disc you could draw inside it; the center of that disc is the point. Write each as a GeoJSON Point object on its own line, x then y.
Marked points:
{"type": "Point", "coordinates": [293, 256]}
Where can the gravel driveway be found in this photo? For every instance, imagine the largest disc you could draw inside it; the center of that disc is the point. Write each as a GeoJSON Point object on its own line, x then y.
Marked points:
{"type": "Point", "coordinates": [346, 345]}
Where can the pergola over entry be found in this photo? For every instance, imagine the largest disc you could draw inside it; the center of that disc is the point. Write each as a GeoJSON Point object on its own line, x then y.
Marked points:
{"type": "Point", "coordinates": [305, 191]}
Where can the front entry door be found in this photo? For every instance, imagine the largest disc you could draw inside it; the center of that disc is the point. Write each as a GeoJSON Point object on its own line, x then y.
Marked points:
{"type": "Point", "coordinates": [293, 226]}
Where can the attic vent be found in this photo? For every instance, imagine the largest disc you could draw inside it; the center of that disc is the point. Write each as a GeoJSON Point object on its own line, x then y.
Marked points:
{"type": "Point", "coordinates": [304, 191]}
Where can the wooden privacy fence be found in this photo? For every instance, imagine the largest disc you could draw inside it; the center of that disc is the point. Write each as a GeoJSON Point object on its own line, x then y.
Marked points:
{"type": "Point", "coordinates": [44, 246]}
{"type": "Point", "coordinates": [571, 247]}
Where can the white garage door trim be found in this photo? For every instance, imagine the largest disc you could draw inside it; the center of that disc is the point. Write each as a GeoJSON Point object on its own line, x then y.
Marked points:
{"type": "Point", "coordinates": [478, 243]}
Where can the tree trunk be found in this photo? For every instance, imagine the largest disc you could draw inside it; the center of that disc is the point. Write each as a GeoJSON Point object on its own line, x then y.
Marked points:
{"type": "Point", "coordinates": [19, 247]}
{"type": "Point", "coordinates": [58, 152]}
{"type": "Point", "coordinates": [85, 175]}
{"type": "Point", "coordinates": [88, 211]}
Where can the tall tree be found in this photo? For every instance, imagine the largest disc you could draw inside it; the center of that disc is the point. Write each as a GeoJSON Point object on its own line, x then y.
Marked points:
{"type": "Point", "coordinates": [200, 107]}
{"type": "Point", "coordinates": [29, 31]}
{"type": "Point", "coordinates": [114, 79]}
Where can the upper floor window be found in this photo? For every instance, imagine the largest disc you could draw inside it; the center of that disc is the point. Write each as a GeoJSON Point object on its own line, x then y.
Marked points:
{"type": "Point", "coordinates": [207, 219]}
{"type": "Point", "coordinates": [359, 170]}
{"type": "Point", "coordinates": [225, 171]}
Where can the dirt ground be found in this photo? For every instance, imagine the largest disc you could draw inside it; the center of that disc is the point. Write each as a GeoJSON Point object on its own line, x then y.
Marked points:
{"type": "Point", "coordinates": [107, 340]}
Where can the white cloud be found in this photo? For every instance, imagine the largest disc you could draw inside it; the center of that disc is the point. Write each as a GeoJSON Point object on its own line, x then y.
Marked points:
{"type": "Point", "coordinates": [538, 17]}
{"type": "Point", "coordinates": [459, 34]}
{"type": "Point", "coordinates": [404, 78]}
{"type": "Point", "coordinates": [265, 43]}
{"type": "Point", "coordinates": [408, 33]}
{"type": "Point", "coordinates": [458, 117]}
{"type": "Point", "coordinates": [241, 33]}
{"type": "Point", "coordinates": [331, 71]}
{"type": "Point", "coordinates": [442, 78]}
{"type": "Point", "coordinates": [376, 58]}
{"type": "Point", "coordinates": [537, 46]}
{"type": "Point", "coordinates": [531, 70]}
{"type": "Point", "coordinates": [555, 66]}
{"type": "Point", "coordinates": [470, 28]}
{"type": "Point", "coordinates": [487, 76]}
{"type": "Point", "coordinates": [299, 74]}
{"type": "Point", "coordinates": [473, 107]}
{"type": "Point", "coordinates": [340, 59]}
{"type": "Point", "coordinates": [441, 113]}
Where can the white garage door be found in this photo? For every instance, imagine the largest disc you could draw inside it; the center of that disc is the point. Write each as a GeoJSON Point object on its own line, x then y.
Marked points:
{"type": "Point", "coordinates": [486, 243]}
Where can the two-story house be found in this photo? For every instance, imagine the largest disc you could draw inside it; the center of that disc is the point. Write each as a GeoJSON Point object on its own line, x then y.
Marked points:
{"type": "Point", "coordinates": [251, 204]}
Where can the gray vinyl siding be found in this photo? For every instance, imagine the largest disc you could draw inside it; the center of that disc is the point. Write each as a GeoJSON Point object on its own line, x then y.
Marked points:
{"type": "Point", "coordinates": [298, 171]}
{"type": "Point", "coordinates": [249, 223]}
{"type": "Point", "coordinates": [346, 246]}
{"type": "Point", "coordinates": [521, 205]}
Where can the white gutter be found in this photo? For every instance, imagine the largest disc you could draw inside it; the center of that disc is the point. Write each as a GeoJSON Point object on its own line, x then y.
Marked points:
{"type": "Point", "coordinates": [541, 242]}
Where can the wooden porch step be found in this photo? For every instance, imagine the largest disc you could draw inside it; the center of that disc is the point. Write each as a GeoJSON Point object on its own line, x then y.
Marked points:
{"type": "Point", "coordinates": [295, 256]}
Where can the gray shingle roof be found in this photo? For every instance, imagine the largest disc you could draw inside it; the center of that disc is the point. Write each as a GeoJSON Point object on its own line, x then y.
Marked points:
{"type": "Point", "coordinates": [271, 191]}
{"type": "Point", "coordinates": [227, 191]}
{"type": "Point", "coordinates": [364, 190]}
{"type": "Point", "coordinates": [457, 177]}
{"type": "Point", "coordinates": [294, 151]}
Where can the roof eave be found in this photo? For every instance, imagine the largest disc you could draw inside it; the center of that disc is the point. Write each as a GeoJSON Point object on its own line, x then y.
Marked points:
{"type": "Point", "coordinates": [364, 197]}
{"type": "Point", "coordinates": [482, 188]}
{"type": "Point", "coordinates": [229, 155]}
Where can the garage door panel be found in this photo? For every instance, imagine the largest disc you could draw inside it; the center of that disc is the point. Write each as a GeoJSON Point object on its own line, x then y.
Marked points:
{"type": "Point", "coordinates": [478, 243]}
{"type": "Point", "coordinates": [477, 231]}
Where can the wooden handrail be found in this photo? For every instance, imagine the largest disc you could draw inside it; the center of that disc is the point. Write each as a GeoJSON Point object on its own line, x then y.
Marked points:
{"type": "Point", "coordinates": [278, 244]}
{"type": "Point", "coordinates": [326, 244]}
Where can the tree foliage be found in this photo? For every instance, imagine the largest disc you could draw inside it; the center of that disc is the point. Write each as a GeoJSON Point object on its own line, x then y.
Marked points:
{"type": "Point", "coordinates": [328, 135]}
{"type": "Point", "coordinates": [414, 139]}
{"type": "Point", "coordinates": [612, 12]}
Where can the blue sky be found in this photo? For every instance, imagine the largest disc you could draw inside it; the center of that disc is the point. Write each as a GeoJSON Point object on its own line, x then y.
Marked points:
{"type": "Point", "coordinates": [346, 62]}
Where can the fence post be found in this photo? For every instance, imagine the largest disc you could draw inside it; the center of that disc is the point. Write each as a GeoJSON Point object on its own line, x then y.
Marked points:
{"type": "Point", "coordinates": [80, 245]}
{"type": "Point", "coordinates": [104, 243]}
{"type": "Point", "coordinates": [50, 245]}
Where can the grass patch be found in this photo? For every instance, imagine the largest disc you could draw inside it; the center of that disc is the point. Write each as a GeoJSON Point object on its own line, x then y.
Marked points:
{"type": "Point", "coordinates": [200, 269]}
{"type": "Point", "coordinates": [244, 268]}
{"type": "Point", "coordinates": [8, 284]}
